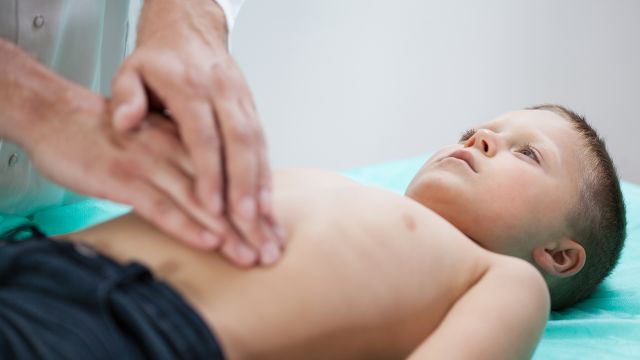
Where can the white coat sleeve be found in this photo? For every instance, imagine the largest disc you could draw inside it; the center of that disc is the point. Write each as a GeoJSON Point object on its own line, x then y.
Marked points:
{"type": "Point", "coordinates": [231, 9]}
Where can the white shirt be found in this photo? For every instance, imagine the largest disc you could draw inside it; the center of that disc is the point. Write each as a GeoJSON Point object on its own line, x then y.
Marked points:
{"type": "Point", "coordinates": [83, 40]}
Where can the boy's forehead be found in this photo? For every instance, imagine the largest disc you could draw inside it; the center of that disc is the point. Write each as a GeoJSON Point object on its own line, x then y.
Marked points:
{"type": "Point", "coordinates": [541, 124]}
{"type": "Point", "coordinates": [531, 119]}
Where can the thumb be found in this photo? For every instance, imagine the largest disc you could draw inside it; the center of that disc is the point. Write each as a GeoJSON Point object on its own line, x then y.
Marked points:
{"type": "Point", "coordinates": [129, 101]}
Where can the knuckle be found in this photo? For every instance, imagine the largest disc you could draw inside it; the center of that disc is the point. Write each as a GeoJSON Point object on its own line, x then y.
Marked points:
{"type": "Point", "coordinates": [173, 72]}
{"type": "Point", "coordinates": [243, 133]}
{"type": "Point", "coordinates": [209, 137]}
{"type": "Point", "coordinates": [219, 68]}
{"type": "Point", "coordinates": [192, 77]}
{"type": "Point", "coordinates": [222, 82]}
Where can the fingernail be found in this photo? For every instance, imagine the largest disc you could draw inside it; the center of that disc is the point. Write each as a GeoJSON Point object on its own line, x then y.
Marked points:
{"type": "Point", "coordinates": [248, 208]}
{"type": "Point", "coordinates": [244, 253]}
{"type": "Point", "coordinates": [209, 239]}
{"type": "Point", "coordinates": [269, 253]}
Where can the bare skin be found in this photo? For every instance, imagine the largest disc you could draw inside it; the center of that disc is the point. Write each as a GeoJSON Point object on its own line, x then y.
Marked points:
{"type": "Point", "coordinates": [180, 68]}
{"type": "Point", "coordinates": [181, 64]}
{"type": "Point", "coordinates": [367, 274]}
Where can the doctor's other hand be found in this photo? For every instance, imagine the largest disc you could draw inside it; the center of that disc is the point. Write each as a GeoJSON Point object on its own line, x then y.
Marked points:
{"type": "Point", "coordinates": [74, 145]}
{"type": "Point", "coordinates": [181, 67]}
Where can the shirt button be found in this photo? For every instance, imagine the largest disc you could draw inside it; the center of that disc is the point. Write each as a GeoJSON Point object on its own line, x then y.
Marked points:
{"type": "Point", "coordinates": [38, 21]}
{"type": "Point", "coordinates": [13, 159]}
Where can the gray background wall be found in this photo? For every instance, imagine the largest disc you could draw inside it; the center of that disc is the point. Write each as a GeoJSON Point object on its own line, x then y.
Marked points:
{"type": "Point", "coordinates": [345, 83]}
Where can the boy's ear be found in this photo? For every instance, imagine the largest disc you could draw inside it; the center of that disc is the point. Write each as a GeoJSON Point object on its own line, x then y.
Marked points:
{"type": "Point", "coordinates": [563, 258]}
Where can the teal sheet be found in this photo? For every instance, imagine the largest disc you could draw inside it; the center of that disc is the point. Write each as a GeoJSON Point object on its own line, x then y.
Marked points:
{"type": "Point", "coordinates": [606, 326]}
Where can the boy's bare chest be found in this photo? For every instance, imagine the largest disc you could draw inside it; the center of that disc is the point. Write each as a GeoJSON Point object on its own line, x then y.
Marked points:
{"type": "Point", "coordinates": [362, 276]}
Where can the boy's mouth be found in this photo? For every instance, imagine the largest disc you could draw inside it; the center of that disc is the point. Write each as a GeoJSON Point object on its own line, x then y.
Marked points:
{"type": "Point", "coordinates": [465, 156]}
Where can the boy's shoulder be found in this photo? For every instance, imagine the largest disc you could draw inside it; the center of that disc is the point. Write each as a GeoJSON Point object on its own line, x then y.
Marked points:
{"type": "Point", "coordinates": [523, 279]}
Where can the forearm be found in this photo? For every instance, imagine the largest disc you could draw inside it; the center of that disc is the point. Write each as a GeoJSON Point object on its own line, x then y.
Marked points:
{"type": "Point", "coordinates": [171, 16]}
{"type": "Point", "coordinates": [27, 91]}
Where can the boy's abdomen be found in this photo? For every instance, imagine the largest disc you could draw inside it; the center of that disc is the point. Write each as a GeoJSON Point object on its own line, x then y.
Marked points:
{"type": "Point", "coordinates": [367, 276]}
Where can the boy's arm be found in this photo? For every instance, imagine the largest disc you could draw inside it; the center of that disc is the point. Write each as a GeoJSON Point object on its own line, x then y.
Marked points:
{"type": "Point", "coordinates": [500, 317]}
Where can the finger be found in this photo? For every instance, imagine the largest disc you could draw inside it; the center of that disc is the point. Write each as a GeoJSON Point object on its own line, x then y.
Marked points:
{"type": "Point", "coordinates": [162, 163]}
{"type": "Point", "coordinates": [265, 176]}
{"type": "Point", "coordinates": [265, 200]}
{"type": "Point", "coordinates": [200, 135]}
{"type": "Point", "coordinates": [167, 179]}
{"type": "Point", "coordinates": [241, 165]}
{"type": "Point", "coordinates": [270, 251]}
{"type": "Point", "coordinates": [241, 162]}
{"type": "Point", "coordinates": [183, 96]}
{"type": "Point", "coordinates": [179, 187]}
{"type": "Point", "coordinates": [129, 102]}
{"type": "Point", "coordinates": [238, 251]}
{"type": "Point", "coordinates": [160, 210]}
{"type": "Point", "coordinates": [163, 140]}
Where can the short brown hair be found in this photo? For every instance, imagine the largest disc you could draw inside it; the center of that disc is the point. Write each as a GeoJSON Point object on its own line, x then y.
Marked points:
{"type": "Point", "coordinates": [598, 220]}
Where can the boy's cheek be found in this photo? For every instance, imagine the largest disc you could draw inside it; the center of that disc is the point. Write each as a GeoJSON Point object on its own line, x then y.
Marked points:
{"type": "Point", "coordinates": [507, 199]}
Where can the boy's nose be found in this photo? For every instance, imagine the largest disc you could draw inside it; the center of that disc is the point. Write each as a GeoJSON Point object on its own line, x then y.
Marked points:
{"type": "Point", "coordinates": [486, 141]}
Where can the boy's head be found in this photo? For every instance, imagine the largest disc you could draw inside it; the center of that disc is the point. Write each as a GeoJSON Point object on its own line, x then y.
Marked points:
{"type": "Point", "coordinates": [537, 184]}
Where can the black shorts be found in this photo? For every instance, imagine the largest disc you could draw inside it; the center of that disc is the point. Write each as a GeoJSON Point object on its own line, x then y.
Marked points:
{"type": "Point", "coordinates": [59, 300]}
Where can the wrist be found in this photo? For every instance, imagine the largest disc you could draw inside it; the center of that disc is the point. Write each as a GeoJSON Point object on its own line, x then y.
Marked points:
{"type": "Point", "coordinates": [175, 17]}
{"type": "Point", "coordinates": [16, 78]}
{"type": "Point", "coordinates": [217, 18]}
{"type": "Point", "coordinates": [29, 93]}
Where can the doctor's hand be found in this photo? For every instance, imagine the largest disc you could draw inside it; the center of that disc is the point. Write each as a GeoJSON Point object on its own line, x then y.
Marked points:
{"type": "Point", "coordinates": [74, 145]}
{"type": "Point", "coordinates": [181, 67]}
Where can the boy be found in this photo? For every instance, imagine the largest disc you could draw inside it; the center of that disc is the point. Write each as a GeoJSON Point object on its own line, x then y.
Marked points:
{"type": "Point", "coordinates": [367, 274]}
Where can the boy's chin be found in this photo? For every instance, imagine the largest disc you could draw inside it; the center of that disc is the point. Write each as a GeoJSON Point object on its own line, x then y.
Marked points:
{"type": "Point", "coordinates": [441, 187]}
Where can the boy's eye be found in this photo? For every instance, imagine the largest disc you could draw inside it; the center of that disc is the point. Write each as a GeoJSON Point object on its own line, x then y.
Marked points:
{"type": "Point", "coordinates": [527, 150]}
{"type": "Point", "coordinates": [467, 135]}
